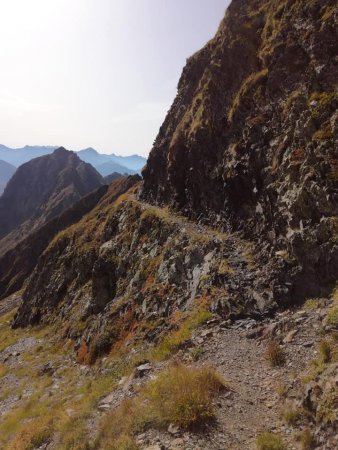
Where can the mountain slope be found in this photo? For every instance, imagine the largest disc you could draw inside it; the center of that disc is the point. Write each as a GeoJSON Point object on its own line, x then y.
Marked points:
{"type": "Point", "coordinates": [17, 264]}
{"type": "Point", "coordinates": [250, 141]}
{"type": "Point", "coordinates": [44, 187]}
{"type": "Point", "coordinates": [6, 172]}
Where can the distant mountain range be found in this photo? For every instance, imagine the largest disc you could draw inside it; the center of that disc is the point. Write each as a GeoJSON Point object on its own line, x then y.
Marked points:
{"type": "Point", "coordinates": [104, 164]}
{"type": "Point", "coordinates": [6, 172]}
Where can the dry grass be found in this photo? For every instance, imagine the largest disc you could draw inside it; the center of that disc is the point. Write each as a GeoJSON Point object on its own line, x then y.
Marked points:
{"type": "Point", "coordinates": [325, 351]}
{"type": "Point", "coordinates": [311, 304]}
{"type": "Point", "coordinates": [306, 439]}
{"type": "Point", "coordinates": [332, 316]}
{"type": "Point", "coordinates": [269, 441]}
{"type": "Point", "coordinates": [183, 396]}
{"type": "Point", "coordinates": [34, 434]}
{"type": "Point", "coordinates": [252, 81]}
{"type": "Point", "coordinates": [172, 342]}
{"type": "Point", "coordinates": [179, 395]}
{"type": "Point", "coordinates": [275, 354]}
{"type": "Point", "coordinates": [292, 415]}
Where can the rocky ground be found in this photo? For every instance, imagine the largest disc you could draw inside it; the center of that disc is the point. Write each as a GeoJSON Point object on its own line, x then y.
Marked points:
{"type": "Point", "coordinates": [258, 399]}
{"type": "Point", "coordinates": [259, 393]}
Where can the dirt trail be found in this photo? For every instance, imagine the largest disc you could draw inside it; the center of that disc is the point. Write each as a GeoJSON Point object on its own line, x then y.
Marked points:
{"type": "Point", "coordinates": [255, 402]}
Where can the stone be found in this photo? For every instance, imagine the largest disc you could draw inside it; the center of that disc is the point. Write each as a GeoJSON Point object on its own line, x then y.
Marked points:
{"type": "Point", "coordinates": [289, 337]}
{"type": "Point", "coordinates": [143, 369]}
{"type": "Point", "coordinates": [47, 369]}
{"type": "Point", "coordinates": [173, 429]}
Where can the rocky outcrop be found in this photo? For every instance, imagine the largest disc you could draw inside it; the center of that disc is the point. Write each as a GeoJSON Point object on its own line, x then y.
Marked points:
{"type": "Point", "coordinates": [128, 264]}
{"type": "Point", "coordinates": [43, 188]}
{"type": "Point", "coordinates": [250, 143]}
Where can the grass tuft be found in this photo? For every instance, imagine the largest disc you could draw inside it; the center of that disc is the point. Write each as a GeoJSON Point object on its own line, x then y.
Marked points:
{"type": "Point", "coordinates": [306, 439]}
{"type": "Point", "coordinates": [172, 342]}
{"type": "Point", "coordinates": [180, 395]}
{"type": "Point", "coordinates": [325, 351]}
{"type": "Point", "coordinates": [275, 354]}
{"type": "Point", "coordinates": [270, 441]}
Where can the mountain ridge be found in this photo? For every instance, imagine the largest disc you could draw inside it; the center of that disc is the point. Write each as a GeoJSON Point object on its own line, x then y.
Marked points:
{"type": "Point", "coordinates": [129, 165]}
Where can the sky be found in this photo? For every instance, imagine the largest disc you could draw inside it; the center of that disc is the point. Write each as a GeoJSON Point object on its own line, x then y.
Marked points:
{"type": "Point", "coordinates": [95, 73]}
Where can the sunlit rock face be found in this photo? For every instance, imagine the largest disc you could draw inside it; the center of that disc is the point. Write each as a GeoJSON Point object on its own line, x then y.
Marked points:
{"type": "Point", "coordinates": [249, 143]}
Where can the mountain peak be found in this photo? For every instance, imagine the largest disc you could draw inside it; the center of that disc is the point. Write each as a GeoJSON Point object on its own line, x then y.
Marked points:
{"type": "Point", "coordinates": [41, 188]}
{"type": "Point", "coordinates": [90, 150]}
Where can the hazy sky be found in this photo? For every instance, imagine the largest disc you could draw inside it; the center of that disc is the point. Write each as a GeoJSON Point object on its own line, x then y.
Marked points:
{"type": "Point", "coordinates": [99, 73]}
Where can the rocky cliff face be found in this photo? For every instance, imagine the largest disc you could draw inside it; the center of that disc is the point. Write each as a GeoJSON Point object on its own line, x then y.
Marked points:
{"type": "Point", "coordinates": [122, 266]}
{"type": "Point", "coordinates": [250, 142]}
{"type": "Point", "coordinates": [41, 190]}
